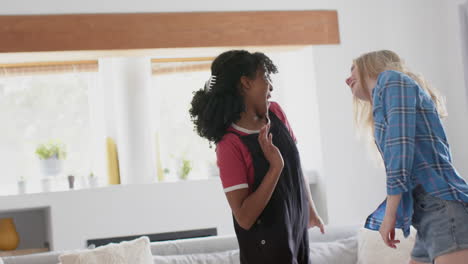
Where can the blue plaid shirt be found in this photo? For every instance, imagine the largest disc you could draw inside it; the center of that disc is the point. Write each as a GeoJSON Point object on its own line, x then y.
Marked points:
{"type": "Point", "coordinates": [409, 135]}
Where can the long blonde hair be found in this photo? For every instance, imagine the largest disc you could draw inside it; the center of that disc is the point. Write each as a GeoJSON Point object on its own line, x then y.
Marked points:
{"type": "Point", "coordinates": [370, 65]}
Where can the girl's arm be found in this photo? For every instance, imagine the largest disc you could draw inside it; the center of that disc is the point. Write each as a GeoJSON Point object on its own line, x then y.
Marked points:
{"type": "Point", "coordinates": [387, 229]}
{"type": "Point", "coordinates": [399, 96]}
{"type": "Point", "coordinates": [314, 218]}
{"type": "Point", "coordinates": [246, 207]}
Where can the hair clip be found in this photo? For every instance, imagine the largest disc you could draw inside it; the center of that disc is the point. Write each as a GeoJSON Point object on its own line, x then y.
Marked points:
{"type": "Point", "coordinates": [209, 84]}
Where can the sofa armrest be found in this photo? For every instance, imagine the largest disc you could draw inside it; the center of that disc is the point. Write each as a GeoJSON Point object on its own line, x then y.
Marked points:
{"type": "Point", "coordinates": [39, 258]}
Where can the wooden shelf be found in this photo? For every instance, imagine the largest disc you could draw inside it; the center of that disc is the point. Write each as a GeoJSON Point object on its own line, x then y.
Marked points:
{"type": "Point", "coordinates": [20, 252]}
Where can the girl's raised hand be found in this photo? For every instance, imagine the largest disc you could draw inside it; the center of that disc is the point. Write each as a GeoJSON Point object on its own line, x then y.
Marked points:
{"type": "Point", "coordinates": [271, 152]}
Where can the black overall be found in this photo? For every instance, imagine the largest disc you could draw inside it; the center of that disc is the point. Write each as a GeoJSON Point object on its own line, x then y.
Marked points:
{"type": "Point", "coordinates": [279, 236]}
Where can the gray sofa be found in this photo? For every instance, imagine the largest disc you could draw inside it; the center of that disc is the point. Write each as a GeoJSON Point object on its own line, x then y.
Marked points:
{"type": "Point", "coordinates": [338, 245]}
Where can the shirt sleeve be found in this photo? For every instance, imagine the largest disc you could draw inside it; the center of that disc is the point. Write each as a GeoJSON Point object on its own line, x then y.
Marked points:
{"type": "Point", "coordinates": [232, 167]}
{"type": "Point", "coordinates": [399, 96]}
{"type": "Point", "coordinates": [276, 108]}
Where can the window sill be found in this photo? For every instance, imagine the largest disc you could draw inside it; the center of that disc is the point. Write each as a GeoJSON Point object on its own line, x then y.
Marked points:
{"type": "Point", "coordinates": [61, 186]}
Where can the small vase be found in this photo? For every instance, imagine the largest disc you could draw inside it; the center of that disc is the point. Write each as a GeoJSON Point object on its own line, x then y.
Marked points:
{"type": "Point", "coordinates": [9, 238]}
{"type": "Point", "coordinates": [71, 182]}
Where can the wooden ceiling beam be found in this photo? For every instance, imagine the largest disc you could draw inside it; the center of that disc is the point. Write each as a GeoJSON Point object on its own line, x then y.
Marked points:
{"type": "Point", "coordinates": [35, 33]}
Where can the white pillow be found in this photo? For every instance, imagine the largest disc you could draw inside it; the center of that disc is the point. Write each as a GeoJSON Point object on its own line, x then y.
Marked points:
{"type": "Point", "coordinates": [343, 251]}
{"type": "Point", "coordinates": [372, 249]}
{"type": "Point", "coordinates": [1, 261]}
{"type": "Point", "coordinates": [228, 257]}
{"type": "Point", "coordinates": [136, 252]}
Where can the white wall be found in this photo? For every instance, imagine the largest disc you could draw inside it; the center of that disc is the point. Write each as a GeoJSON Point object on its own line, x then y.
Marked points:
{"type": "Point", "coordinates": [422, 31]}
{"type": "Point", "coordinates": [463, 12]}
{"type": "Point", "coordinates": [455, 82]}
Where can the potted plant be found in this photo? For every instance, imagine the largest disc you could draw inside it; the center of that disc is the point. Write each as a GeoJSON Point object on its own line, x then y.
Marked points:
{"type": "Point", "coordinates": [92, 180]}
{"type": "Point", "coordinates": [166, 173]}
{"type": "Point", "coordinates": [185, 169]}
{"type": "Point", "coordinates": [51, 155]}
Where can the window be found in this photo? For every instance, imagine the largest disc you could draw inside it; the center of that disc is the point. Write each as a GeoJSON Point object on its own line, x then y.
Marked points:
{"type": "Point", "coordinates": [39, 104]}
{"type": "Point", "coordinates": [173, 87]}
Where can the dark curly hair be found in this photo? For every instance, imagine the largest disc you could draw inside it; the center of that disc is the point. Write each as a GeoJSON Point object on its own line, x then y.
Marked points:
{"type": "Point", "coordinates": [214, 110]}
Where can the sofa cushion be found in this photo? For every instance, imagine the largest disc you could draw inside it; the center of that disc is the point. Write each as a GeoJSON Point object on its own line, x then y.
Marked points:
{"type": "Point", "coordinates": [342, 251]}
{"type": "Point", "coordinates": [225, 243]}
{"type": "Point", "coordinates": [372, 249]}
{"type": "Point", "coordinates": [136, 252]}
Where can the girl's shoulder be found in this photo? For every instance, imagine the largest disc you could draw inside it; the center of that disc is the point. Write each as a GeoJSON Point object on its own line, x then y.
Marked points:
{"type": "Point", "coordinates": [278, 111]}
{"type": "Point", "coordinates": [390, 79]}
{"type": "Point", "coordinates": [231, 150]}
{"type": "Point", "coordinates": [392, 76]}
{"type": "Point", "coordinates": [230, 141]}
{"type": "Point", "coordinates": [275, 107]}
